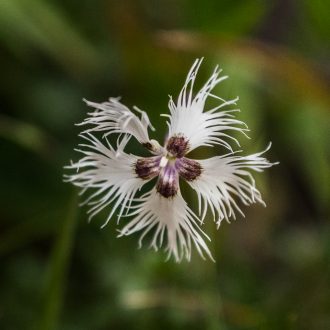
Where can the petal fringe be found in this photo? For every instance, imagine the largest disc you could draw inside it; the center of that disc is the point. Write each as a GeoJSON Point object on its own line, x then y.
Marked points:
{"type": "Point", "coordinates": [108, 172]}
{"type": "Point", "coordinates": [225, 177]}
{"type": "Point", "coordinates": [114, 117]}
{"type": "Point", "coordinates": [170, 217]}
{"type": "Point", "coordinates": [187, 116]}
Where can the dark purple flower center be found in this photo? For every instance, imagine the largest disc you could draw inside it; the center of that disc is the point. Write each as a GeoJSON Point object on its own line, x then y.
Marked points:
{"type": "Point", "coordinates": [168, 171]}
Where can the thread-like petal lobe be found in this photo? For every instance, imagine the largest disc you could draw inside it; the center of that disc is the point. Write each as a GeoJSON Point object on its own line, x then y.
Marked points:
{"type": "Point", "coordinates": [226, 177]}
{"type": "Point", "coordinates": [114, 117]}
{"type": "Point", "coordinates": [202, 128]}
{"type": "Point", "coordinates": [109, 173]}
{"type": "Point", "coordinates": [169, 217]}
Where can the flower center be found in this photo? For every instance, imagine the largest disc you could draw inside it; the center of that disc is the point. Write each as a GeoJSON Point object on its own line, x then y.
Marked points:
{"type": "Point", "coordinates": [168, 167]}
{"type": "Point", "coordinates": [168, 171]}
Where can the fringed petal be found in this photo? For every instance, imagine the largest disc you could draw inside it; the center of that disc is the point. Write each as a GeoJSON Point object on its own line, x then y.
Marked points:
{"type": "Point", "coordinates": [203, 128]}
{"type": "Point", "coordinates": [170, 219]}
{"type": "Point", "coordinates": [114, 117]}
{"type": "Point", "coordinates": [224, 178]}
{"type": "Point", "coordinates": [109, 173]}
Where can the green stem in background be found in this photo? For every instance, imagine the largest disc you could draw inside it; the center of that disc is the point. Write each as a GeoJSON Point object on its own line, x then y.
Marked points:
{"type": "Point", "coordinates": [57, 269]}
{"type": "Point", "coordinates": [217, 319]}
{"type": "Point", "coordinates": [211, 300]}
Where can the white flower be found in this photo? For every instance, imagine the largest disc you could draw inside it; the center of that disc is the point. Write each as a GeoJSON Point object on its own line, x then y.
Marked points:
{"type": "Point", "coordinates": [116, 178]}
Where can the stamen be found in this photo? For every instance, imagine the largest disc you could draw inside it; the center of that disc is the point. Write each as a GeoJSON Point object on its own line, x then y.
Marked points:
{"type": "Point", "coordinates": [188, 169]}
{"type": "Point", "coordinates": [177, 146]}
{"type": "Point", "coordinates": [147, 168]}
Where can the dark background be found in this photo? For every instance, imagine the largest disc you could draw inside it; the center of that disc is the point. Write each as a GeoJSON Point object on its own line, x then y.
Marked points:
{"type": "Point", "coordinates": [59, 272]}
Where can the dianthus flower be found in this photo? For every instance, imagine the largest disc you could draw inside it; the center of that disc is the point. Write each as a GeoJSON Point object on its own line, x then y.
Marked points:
{"type": "Point", "coordinates": [115, 177]}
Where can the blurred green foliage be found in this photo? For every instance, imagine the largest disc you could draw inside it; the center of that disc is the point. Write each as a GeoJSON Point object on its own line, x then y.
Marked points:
{"type": "Point", "coordinates": [59, 272]}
